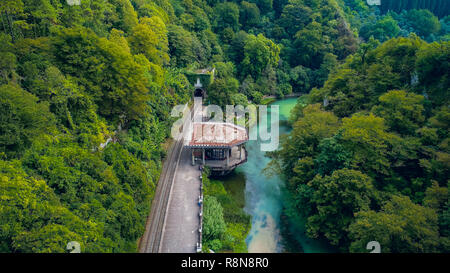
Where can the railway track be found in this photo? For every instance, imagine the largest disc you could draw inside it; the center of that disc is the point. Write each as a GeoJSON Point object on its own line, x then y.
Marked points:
{"type": "Point", "coordinates": [152, 238]}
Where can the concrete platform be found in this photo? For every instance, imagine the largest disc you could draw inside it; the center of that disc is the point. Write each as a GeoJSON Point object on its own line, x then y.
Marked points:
{"type": "Point", "coordinates": [180, 233]}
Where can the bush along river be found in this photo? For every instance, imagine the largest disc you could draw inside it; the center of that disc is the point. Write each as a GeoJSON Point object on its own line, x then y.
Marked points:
{"type": "Point", "coordinates": [266, 199]}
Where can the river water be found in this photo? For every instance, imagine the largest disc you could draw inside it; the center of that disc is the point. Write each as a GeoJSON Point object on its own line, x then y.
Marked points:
{"type": "Point", "coordinates": [266, 196]}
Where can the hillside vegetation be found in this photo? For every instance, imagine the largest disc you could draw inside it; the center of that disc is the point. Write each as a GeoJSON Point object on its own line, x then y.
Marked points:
{"type": "Point", "coordinates": [86, 93]}
{"type": "Point", "coordinates": [368, 157]}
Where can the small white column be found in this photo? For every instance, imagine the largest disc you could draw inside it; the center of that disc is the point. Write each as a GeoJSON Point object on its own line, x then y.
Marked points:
{"type": "Point", "coordinates": [240, 152]}
{"type": "Point", "coordinates": [228, 158]}
{"type": "Point", "coordinates": [193, 159]}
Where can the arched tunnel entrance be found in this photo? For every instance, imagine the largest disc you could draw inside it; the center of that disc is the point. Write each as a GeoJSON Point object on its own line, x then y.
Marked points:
{"type": "Point", "coordinates": [199, 93]}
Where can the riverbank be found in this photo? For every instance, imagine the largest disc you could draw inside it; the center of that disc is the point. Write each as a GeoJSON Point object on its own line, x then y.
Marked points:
{"type": "Point", "coordinates": [227, 226]}
{"type": "Point", "coordinates": [271, 227]}
{"type": "Point", "coordinates": [274, 228]}
{"type": "Point", "coordinates": [249, 191]}
{"type": "Point", "coordinates": [269, 99]}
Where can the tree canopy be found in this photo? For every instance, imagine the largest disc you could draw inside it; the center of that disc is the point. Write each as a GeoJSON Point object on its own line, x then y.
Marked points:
{"type": "Point", "coordinates": [86, 93]}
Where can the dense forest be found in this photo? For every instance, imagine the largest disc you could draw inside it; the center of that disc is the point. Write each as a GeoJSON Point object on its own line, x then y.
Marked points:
{"type": "Point", "coordinates": [368, 157]}
{"type": "Point", "coordinates": [85, 99]}
{"type": "Point", "coordinates": [371, 21]}
{"type": "Point", "coordinates": [438, 7]}
{"type": "Point", "coordinates": [86, 93]}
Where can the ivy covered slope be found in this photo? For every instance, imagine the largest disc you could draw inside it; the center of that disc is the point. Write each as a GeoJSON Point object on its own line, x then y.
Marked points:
{"type": "Point", "coordinates": [368, 157]}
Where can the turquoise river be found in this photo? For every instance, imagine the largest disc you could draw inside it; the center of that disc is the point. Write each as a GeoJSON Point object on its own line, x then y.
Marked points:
{"type": "Point", "coordinates": [265, 198]}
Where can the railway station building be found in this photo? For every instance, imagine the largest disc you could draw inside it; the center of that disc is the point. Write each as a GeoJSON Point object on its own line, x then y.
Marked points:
{"type": "Point", "coordinates": [218, 145]}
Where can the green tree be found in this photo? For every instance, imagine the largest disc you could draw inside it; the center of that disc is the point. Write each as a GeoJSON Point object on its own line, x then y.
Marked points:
{"type": "Point", "coordinates": [333, 156]}
{"type": "Point", "coordinates": [149, 37]}
{"type": "Point", "coordinates": [8, 60]}
{"type": "Point", "coordinates": [424, 22]}
{"type": "Point", "coordinates": [236, 49]}
{"type": "Point", "coordinates": [382, 30]}
{"type": "Point", "coordinates": [259, 53]}
{"type": "Point", "coordinates": [150, 9]}
{"type": "Point", "coordinates": [226, 14]}
{"type": "Point", "coordinates": [300, 78]}
{"type": "Point", "coordinates": [10, 10]}
{"type": "Point", "coordinates": [310, 46]}
{"type": "Point", "coordinates": [118, 37]}
{"type": "Point", "coordinates": [403, 111]}
{"type": "Point", "coordinates": [357, 84]}
{"type": "Point", "coordinates": [249, 14]}
{"type": "Point", "coordinates": [33, 220]}
{"type": "Point", "coordinates": [264, 5]}
{"type": "Point", "coordinates": [336, 199]}
{"type": "Point", "coordinates": [222, 90]}
{"type": "Point", "coordinates": [365, 137]}
{"type": "Point", "coordinates": [295, 16]}
{"type": "Point", "coordinates": [224, 70]}
{"type": "Point", "coordinates": [124, 16]}
{"type": "Point", "coordinates": [298, 148]}
{"type": "Point", "coordinates": [401, 226]}
{"type": "Point", "coordinates": [213, 222]}
{"type": "Point", "coordinates": [107, 71]}
{"type": "Point", "coordinates": [239, 99]}
{"type": "Point", "coordinates": [433, 66]}
{"type": "Point", "coordinates": [24, 119]}
{"type": "Point", "coordinates": [436, 197]}
{"type": "Point", "coordinates": [182, 46]}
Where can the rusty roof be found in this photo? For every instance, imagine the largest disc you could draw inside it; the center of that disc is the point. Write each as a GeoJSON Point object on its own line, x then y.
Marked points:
{"type": "Point", "coordinates": [217, 134]}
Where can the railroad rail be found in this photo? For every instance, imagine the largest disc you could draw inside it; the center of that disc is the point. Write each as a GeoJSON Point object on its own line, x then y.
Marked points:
{"type": "Point", "coordinates": [154, 228]}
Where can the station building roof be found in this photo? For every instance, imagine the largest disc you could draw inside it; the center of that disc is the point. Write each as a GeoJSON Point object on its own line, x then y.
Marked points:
{"type": "Point", "coordinates": [216, 135]}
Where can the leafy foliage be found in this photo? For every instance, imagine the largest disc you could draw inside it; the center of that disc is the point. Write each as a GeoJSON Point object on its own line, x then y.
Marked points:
{"type": "Point", "coordinates": [85, 97]}
{"type": "Point", "coordinates": [226, 223]}
{"type": "Point", "coordinates": [23, 119]}
{"type": "Point", "coordinates": [367, 157]}
{"type": "Point", "coordinates": [86, 93]}
{"type": "Point", "coordinates": [213, 223]}
{"type": "Point", "coordinates": [400, 226]}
